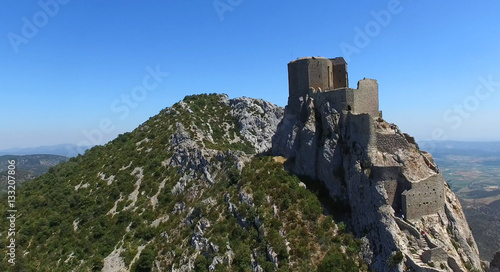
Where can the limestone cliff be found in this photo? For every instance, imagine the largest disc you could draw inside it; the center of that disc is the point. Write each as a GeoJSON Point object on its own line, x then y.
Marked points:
{"type": "Point", "coordinates": [400, 204]}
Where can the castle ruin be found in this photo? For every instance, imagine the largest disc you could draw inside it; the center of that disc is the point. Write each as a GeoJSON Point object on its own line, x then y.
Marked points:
{"type": "Point", "coordinates": [326, 80]}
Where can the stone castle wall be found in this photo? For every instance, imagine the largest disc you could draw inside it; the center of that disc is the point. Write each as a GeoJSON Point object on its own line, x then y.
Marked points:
{"type": "Point", "coordinates": [336, 98]}
{"type": "Point", "coordinates": [361, 100]}
{"type": "Point", "coordinates": [411, 199]}
{"type": "Point", "coordinates": [320, 74]}
{"type": "Point", "coordinates": [340, 78]}
{"type": "Point", "coordinates": [307, 73]}
{"type": "Point", "coordinates": [391, 143]}
{"type": "Point", "coordinates": [394, 183]}
{"type": "Point", "coordinates": [364, 99]}
{"type": "Point", "coordinates": [316, 73]}
{"type": "Point", "coordinates": [425, 197]}
{"type": "Point", "coordinates": [326, 80]}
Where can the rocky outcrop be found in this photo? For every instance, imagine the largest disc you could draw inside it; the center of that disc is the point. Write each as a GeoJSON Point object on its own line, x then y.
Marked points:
{"type": "Point", "coordinates": [381, 174]}
{"type": "Point", "coordinates": [495, 263]}
{"type": "Point", "coordinates": [257, 120]}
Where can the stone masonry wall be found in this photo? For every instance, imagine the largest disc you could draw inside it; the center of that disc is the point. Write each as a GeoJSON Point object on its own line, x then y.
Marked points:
{"type": "Point", "coordinates": [320, 74]}
{"type": "Point", "coordinates": [327, 80]}
{"type": "Point", "coordinates": [310, 72]}
{"type": "Point", "coordinates": [336, 99]}
{"type": "Point", "coordinates": [394, 183]}
{"type": "Point", "coordinates": [298, 80]}
{"type": "Point", "coordinates": [365, 98]}
{"type": "Point", "coordinates": [340, 78]}
{"type": "Point", "coordinates": [361, 100]}
{"type": "Point", "coordinates": [390, 143]}
{"type": "Point", "coordinates": [425, 197]}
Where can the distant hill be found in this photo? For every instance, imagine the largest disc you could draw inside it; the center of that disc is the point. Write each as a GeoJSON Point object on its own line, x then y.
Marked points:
{"type": "Point", "coordinates": [442, 148]}
{"type": "Point", "coordinates": [67, 150]}
{"type": "Point", "coordinates": [28, 167]}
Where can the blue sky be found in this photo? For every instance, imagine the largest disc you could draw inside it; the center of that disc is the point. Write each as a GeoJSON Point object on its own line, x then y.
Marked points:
{"type": "Point", "coordinates": [67, 67]}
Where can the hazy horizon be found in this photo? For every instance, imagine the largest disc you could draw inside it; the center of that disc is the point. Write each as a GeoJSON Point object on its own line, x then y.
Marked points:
{"type": "Point", "coordinates": [2, 150]}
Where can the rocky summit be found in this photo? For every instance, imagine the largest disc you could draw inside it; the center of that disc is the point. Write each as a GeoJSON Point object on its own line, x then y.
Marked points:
{"type": "Point", "coordinates": [219, 184]}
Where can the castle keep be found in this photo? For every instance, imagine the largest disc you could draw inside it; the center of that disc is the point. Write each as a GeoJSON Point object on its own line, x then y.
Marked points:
{"type": "Point", "coordinates": [326, 80]}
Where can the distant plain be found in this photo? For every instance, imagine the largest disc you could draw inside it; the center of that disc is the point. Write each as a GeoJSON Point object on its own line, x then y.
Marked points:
{"type": "Point", "coordinates": [472, 170]}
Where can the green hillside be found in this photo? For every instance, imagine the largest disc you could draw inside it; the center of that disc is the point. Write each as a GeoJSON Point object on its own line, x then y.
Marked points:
{"type": "Point", "coordinates": [185, 191]}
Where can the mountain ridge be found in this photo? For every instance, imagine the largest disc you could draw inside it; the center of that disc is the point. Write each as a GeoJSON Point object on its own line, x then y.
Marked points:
{"type": "Point", "coordinates": [184, 191]}
{"type": "Point", "coordinates": [191, 189]}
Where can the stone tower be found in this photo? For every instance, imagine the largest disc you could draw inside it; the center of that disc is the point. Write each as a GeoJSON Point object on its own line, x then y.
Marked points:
{"type": "Point", "coordinates": [317, 74]}
{"type": "Point", "coordinates": [327, 80]}
{"type": "Point", "coordinates": [340, 79]}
